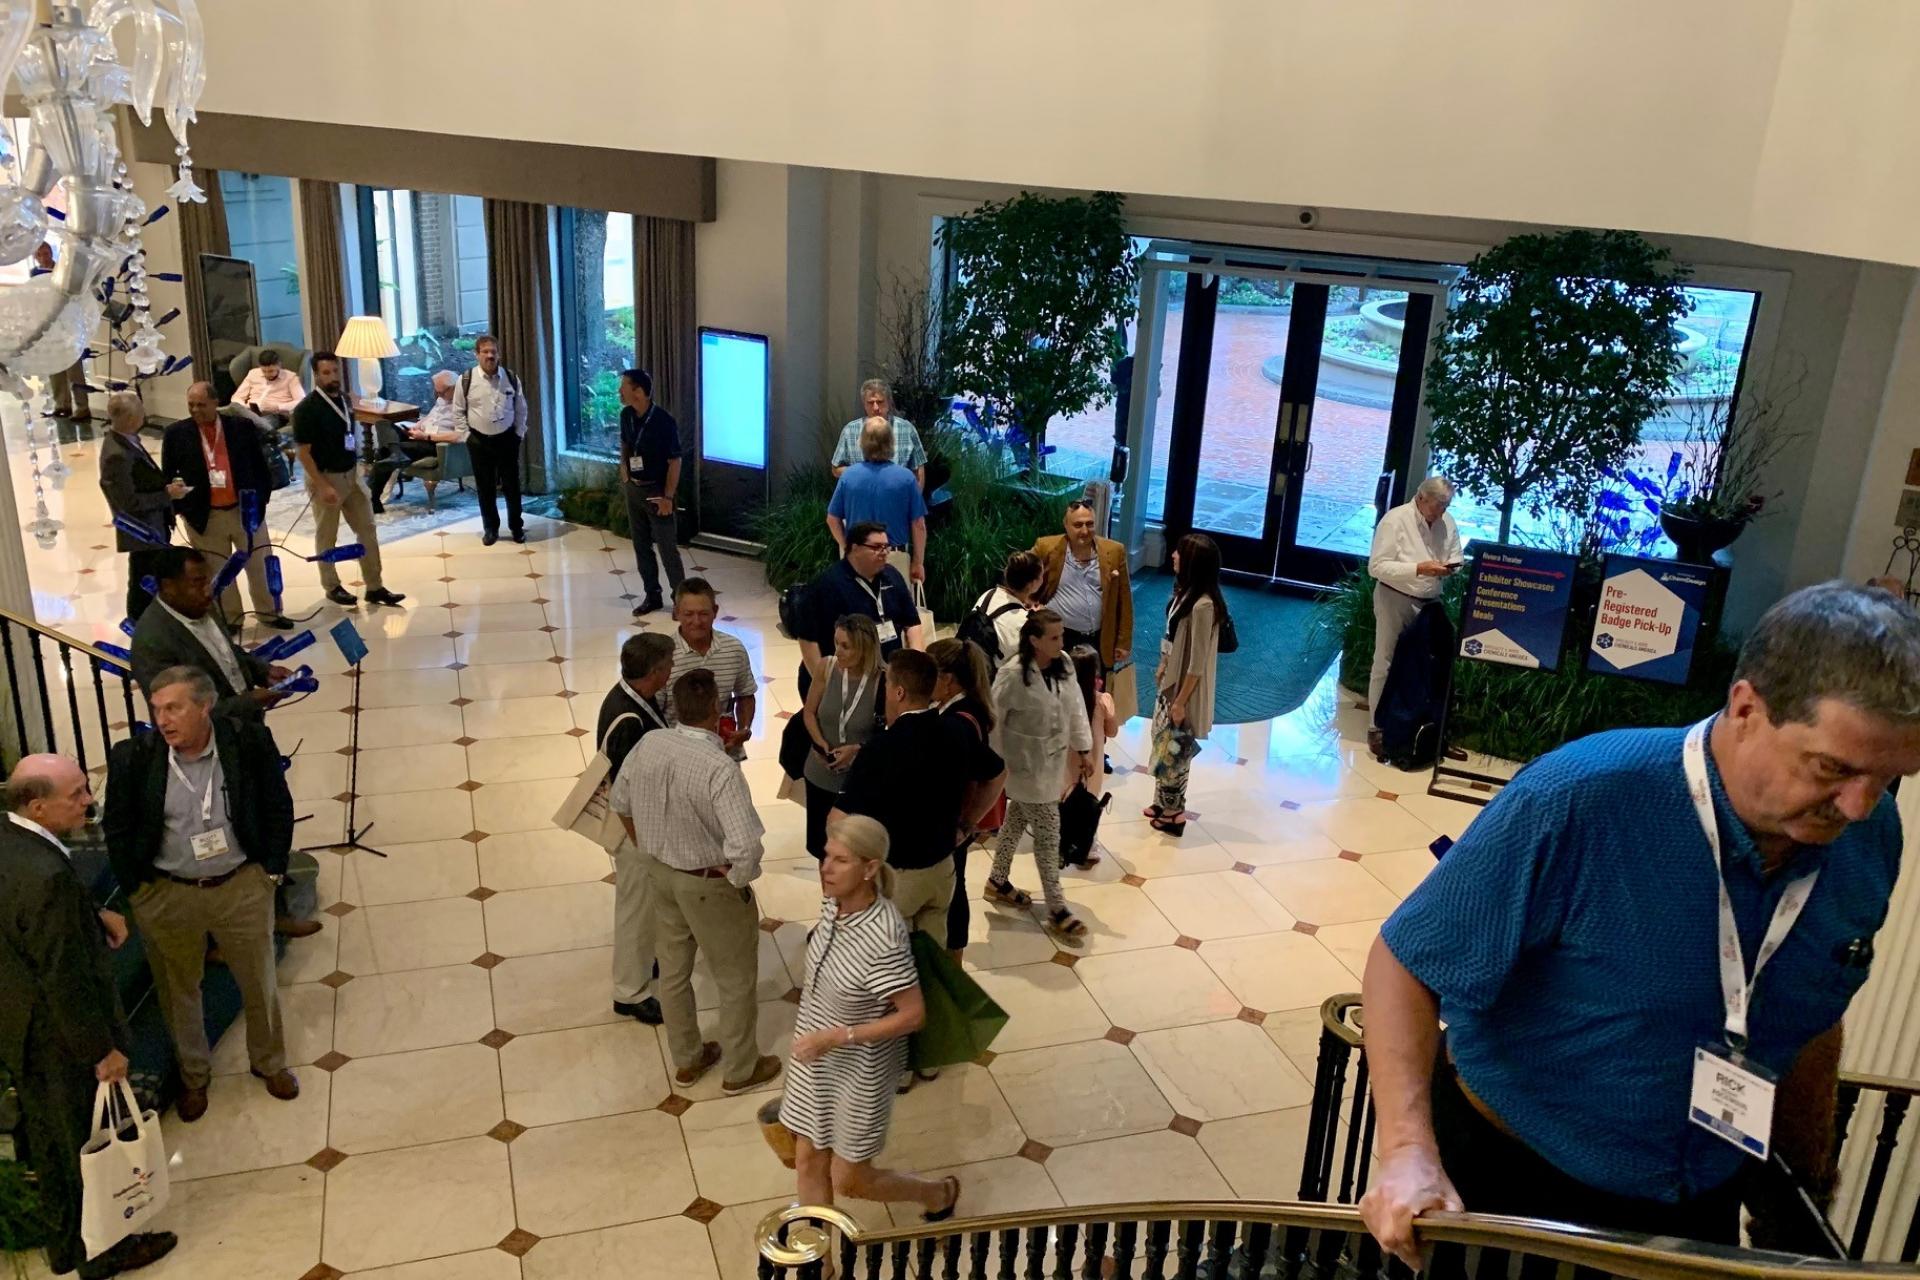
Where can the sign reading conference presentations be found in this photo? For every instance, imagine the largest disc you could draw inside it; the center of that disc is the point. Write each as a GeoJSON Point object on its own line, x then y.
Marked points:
{"type": "Point", "coordinates": [1649, 614]}
{"type": "Point", "coordinates": [1515, 611]}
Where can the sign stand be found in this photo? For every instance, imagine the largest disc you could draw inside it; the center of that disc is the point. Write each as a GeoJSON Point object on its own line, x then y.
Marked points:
{"type": "Point", "coordinates": [354, 650]}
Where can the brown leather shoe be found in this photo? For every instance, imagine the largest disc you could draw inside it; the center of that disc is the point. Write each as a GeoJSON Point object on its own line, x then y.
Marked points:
{"type": "Point", "coordinates": [191, 1104]}
{"type": "Point", "coordinates": [288, 927]}
{"type": "Point", "coordinates": [282, 1084]}
{"type": "Point", "coordinates": [709, 1054]}
{"type": "Point", "coordinates": [131, 1254]}
{"type": "Point", "coordinates": [766, 1069]}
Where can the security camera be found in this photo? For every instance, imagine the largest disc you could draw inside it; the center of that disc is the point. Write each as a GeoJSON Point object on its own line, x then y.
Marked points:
{"type": "Point", "coordinates": [1309, 217]}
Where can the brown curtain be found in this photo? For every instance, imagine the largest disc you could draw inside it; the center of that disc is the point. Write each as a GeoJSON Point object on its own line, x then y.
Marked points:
{"type": "Point", "coordinates": [203, 229]}
{"type": "Point", "coordinates": [323, 272]}
{"type": "Point", "coordinates": [519, 280]}
{"type": "Point", "coordinates": [663, 314]}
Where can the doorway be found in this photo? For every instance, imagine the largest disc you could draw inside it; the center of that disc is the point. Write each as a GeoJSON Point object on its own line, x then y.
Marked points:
{"type": "Point", "coordinates": [1279, 404]}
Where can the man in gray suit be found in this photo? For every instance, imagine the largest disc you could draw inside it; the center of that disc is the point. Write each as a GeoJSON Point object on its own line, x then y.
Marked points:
{"type": "Point", "coordinates": [136, 487]}
{"type": "Point", "coordinates": [184, 632]}
{"type": "Point", "coordinates": [62, 1030]}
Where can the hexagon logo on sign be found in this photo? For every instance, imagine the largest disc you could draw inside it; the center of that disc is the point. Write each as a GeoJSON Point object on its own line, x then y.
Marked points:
{"type": "Point", "coordinates": [1639, 620]}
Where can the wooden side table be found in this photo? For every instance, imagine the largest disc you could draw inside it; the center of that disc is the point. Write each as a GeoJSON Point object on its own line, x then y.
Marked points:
{"type": "Point", "coordinates": [389, 412]}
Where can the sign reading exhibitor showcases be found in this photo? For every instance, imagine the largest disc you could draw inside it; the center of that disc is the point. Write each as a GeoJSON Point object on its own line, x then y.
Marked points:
{"type": "Point", "coordinates": [1649, 614]}
{"type": "Point", "coordinates": [1516, 607]}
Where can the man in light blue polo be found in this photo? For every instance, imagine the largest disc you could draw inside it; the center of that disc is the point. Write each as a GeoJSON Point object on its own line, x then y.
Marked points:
{"type": "Point", "coordinates": [879, 491]}
{"type": "Point", "coordinates": [876, 401]}
{"type": "Point", "coordinates": [1643, 948]}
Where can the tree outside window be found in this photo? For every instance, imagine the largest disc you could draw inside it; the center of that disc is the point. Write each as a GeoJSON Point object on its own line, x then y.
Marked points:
{"type": "Point", "coordinates": [596, 324]}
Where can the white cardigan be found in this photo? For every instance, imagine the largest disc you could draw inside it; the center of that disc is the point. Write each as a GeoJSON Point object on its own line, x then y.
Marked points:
{"type": "Point", "coordinates": [1035, 726]}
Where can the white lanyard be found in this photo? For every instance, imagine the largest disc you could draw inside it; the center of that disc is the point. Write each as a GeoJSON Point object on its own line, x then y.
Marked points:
{"type": "Point", "coordinates": [646, 704]}
{"type": "Point", "coordinates": [873, 591]}
{"type": "Point", "coordinates": [213, 778]}
{"type": "Point", "coordinates": [1735, 985]}
{"type": "Point", "coordinates": [848, 704]}
{"type": "Point", "coordinates": [340, 413]}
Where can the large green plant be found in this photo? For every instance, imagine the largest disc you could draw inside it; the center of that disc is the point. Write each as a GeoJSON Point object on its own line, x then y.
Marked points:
{"type": "Point", "coordinates": [793, 527]}
{"type": "Point", "coordinates": [1032, 320]}
{"type": "Point", "coordinates": [1556, 350]}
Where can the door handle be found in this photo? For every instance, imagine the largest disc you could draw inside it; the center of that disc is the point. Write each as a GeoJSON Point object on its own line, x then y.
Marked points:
{"type": "Point", "coordinates": [1309, 465]}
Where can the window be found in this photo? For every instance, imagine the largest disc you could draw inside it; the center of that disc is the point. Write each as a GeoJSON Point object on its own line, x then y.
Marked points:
{"type": "Point", "coordinates": [595, 270]}
{"type": "Point", "coordinates": [260, 229]}
{"type": "Point", "coordinates": [423, 266]}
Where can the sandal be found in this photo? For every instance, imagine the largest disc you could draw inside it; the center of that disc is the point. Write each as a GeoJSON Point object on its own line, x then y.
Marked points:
{"type": "Point", "coordinates": [1066, 924]}
{"type": "Point", "coordinates": [1151, 811]}
{"type": "Point", "coordinates": [1169, 826]}
{"type": "Point", "coordinates": [941, 1215]}
{"type": "Point", "coordinates": [1001, 891]}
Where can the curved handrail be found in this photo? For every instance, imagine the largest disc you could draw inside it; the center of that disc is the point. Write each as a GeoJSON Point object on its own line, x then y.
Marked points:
{"type": "Point", "coordinates": [1334, 1011]}
{"type": "Point", "coordinates": [1634, 1257]}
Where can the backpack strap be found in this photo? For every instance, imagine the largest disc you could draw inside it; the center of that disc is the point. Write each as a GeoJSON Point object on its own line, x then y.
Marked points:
{"type": "Point", "coordinates": [1004, 610]}
{"type": "Point", "coordinates": [624, 715]}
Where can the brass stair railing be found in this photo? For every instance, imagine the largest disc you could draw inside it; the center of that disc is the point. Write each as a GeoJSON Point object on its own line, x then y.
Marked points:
{"type": "Point", "coordinates": [63, 694]}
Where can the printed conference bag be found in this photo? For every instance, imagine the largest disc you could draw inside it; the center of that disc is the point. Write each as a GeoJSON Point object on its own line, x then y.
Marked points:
{"type": "Point", "coordinates": [123, 1169]}
{"type": "Point", "coordinates": [586, 808]}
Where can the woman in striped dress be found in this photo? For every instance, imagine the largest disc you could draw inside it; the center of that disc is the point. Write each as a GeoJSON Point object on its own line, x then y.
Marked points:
{"type": "Point", "coordinates": [861, 1001]}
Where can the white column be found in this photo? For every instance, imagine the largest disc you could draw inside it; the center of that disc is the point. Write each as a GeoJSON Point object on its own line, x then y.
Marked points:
{"type": "Point", "coordinates": [1883, 1039]}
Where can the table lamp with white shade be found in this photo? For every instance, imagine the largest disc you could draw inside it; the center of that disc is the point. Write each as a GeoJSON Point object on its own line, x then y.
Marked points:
{"type": "Point", "coordinates": [367, 340]}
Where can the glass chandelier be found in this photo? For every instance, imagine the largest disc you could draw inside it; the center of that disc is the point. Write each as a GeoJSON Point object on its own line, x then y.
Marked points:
{"type": "Point", "coordinates": [71, 75]}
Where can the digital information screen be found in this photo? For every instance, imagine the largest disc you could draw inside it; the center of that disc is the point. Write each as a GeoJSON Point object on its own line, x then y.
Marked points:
{"type": "Point", "coordinates": [734, 398]}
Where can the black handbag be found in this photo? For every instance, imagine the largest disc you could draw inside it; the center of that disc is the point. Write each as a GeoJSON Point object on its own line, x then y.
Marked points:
{"type": "Point", "coordinates": [795, 743]}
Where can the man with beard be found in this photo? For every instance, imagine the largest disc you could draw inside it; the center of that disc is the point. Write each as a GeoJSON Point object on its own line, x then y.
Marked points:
{"type": "Point", "coordinates": [324, 431]}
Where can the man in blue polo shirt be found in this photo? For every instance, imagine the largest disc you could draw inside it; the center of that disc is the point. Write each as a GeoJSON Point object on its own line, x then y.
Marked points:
{"type": "Point", "coordinates": [878, 491]}
{"type": "Point", "coordinates": [1643, 948]}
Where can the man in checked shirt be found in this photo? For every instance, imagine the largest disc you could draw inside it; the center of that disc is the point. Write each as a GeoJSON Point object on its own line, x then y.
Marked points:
{"type": "Point", "coordinates": [692, 815]}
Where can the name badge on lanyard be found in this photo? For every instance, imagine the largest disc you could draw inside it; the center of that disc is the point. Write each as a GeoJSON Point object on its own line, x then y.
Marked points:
{"type": "Point", "coordinates": [216, 475]}
{"type": "Point", "coordinates": [883, 625]}
{"type": "Point", "coordinates": [1732, 1098]}
{"type": "Point", "coordinates": [207, 844]}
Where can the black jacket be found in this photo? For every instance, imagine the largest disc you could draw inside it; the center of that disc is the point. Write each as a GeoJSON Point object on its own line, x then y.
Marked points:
{"type": "Point", "coordinates": [159, 642]}
{"type": "Point", "coordinates": [259, 806]}
{"type": "Point", "coordinates": [617, 703]}
{"type": "Point", "coordinates": [135, 486]}
{"type": "Point", "coordinates": [54, 965]}
{"type": "Point", "coordinates": [182, 459]}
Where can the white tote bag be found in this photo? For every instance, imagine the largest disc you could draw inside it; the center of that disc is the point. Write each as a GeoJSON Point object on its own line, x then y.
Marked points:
{"type": "Point", "coordinates": [124, 1175]}
{"type": "Point", "coordinates": [586, 809]}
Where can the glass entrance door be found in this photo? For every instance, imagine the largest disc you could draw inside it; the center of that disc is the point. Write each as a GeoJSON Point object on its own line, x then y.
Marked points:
{"type": "Point", "coordinates": [1293, 398]}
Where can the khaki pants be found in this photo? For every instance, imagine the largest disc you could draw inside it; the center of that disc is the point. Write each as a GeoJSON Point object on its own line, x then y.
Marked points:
{"type": "Point", "coordinates": [357, 507]}
{"type": "Point", "coordinates": [694, 913]}
{"type": "Point", "coordinates": [923, 895]}
{"type": "Point", "coordinates": [632, 924]}
{"type": "Point", "coordinates": [224, 535]}
{"type": "Point", "coordinates": [174, 921]}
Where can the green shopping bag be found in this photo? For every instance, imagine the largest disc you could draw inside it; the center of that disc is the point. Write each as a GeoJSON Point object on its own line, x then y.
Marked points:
{"type": "Point", "coordinates": [962, 1019]}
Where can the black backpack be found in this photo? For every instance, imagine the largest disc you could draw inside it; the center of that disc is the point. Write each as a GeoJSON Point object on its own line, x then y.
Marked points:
{"type": "Point", "coordinates": [793, 611]}
{"type": "Point", "coordinates": [978, 626]}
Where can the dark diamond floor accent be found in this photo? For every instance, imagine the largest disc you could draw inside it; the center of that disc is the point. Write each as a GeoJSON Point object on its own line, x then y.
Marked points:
{"type": "Point", "coordinates": [338, 979]}
{"type": "Point", "coordinates": [497, 1039]}
{"type": "Point", "coordinates": [675, 1105]}
{"type": "Point", "coordinates": [770, 925]}
{"type": "Point", "coordinates": [475, 836]}
{"type": "Point", "coordinates": [1301, 926]}
{"type": "Point", "coordinates": [1251, 1015]}
{"type": "Point", "coordinates": [480, 894]}
{"type": "Point", "coordinates": [1135, 881]}
{"type": "Point", "coordinates": [468, 785]}
{"type": "Point", "coordinates": [519, 1243]}
{"type": "Point", "coordinates": [340, 909]}
{"type": "Point", "coordinates": [1191, 944]}
{"type": "Point", "coordinates": [321, 1271]}
{"type": "Point", "coordinates": [1244, 868]}
{"type": "Point", "coordinates": [1185, 1125]}
{"type": "Point", "coordinates": [506, 1131]}
{"type": "Point", "coordinates": [1065, 959]}
{"type": "Point", "coordinates": [986, 1058]}
{"type": "Point", "coordinates": [486, 960]}
{"type": "Point", "coordinates": [331, 1060]}
{"type": "Point", "coordinates": [1035, 1151]}
{"type": "Point", "coordinates": [1119, 1035]}
{"type": "Point", "coordinates": [326, 1158]}
{"type": "Point", "coordinates": [702, 1210]}
{"type": "Point", "coordinates": [464, 742]}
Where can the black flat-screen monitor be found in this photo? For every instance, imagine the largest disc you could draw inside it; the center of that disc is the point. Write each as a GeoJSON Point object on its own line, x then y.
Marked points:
{"type": "Point", "coordinates": [233, 315]}
{"type": "Point", "coordinates": [736, 398]}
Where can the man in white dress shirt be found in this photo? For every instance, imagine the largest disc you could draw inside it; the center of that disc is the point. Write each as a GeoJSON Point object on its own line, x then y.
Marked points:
{"type": "Point", "coordinates": [493, 406]}
{"type": "Point", "coordinates": [422, 439]}
{"type": "Point", "coordinates": [1416, 546]}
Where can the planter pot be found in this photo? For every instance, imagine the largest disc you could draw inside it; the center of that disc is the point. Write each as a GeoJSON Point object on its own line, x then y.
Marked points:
{"type": "Point", "coordinates": [1697, 538]}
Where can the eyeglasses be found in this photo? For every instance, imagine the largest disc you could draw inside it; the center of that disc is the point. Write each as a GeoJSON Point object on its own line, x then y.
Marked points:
{"type": "Point", "coordinates": [873, 546]}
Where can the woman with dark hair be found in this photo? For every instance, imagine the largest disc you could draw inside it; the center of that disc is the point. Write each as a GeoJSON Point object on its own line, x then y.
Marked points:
{"type": "Point", "coordinates": [1007, 603]}
{"type": "Point", "coordinates": [963, 696]}
{"type": "Point", "coordinates": [1043, 723]}
{"type": "Point", "coordinates": [1189, 656]}
{"type": "Point", "coordinates": [841, 713]}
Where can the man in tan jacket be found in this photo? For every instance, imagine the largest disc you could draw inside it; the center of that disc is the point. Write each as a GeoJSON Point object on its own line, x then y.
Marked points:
{"type": "Point", "coordinates": [1086, 582]}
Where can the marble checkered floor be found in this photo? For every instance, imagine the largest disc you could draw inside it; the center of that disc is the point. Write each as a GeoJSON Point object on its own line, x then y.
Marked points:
{"type": "Point", "coordinates": [470, 1105]}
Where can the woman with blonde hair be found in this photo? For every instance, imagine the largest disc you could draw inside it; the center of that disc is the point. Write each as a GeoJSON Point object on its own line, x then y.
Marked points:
{"type": "Point", "coordinates": [841, 713]}
{"type": "Point", "coordinates": [860, 1003]}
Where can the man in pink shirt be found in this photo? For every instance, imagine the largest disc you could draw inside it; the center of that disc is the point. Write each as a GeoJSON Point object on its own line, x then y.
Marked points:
{"type": "Point", "coordinates": [269, 389]}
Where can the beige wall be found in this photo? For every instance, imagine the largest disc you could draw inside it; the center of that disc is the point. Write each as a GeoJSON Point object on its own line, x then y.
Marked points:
{"type": "Point", "coordinates": [1896, 435]}
{"type": "Point", "coordinates": [1776, 121]}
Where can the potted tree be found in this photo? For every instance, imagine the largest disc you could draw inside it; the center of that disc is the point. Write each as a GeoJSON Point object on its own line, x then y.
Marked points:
{"type": "Point", "coordinates": [1718, 470]}
{"type": "Point", "coordinates": [1032, 319]}
{"type": "Point", "coordinates": [1556, 350]}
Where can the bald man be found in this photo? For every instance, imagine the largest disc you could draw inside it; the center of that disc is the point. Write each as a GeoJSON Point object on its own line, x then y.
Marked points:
{"type": "Point", "coordinates": [223, 462]}
{"type": "Point", "coordinates": [62, 1031]}
{"type": "Point", "coordinates": [441, 425]}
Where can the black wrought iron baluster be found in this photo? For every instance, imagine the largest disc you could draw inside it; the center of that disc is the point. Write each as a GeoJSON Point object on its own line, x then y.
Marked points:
{"type": "Point", "coordinates": [765, 1270]}
{"type": "Point", "coordinates": [1188, 1250]}
{"type": "Point", "coordinates": [1847, 1099]}
{"type": "Point", "coordinates": [923, 1259]}
{"type": "Point", "coordinates": [1009, 1252]}
{"type": "Point", "coordinates": [876, 1255]}
{"type": "Point", "coordinates": [100, 704]}
{"type": "Point", "coordinates": [1894, 1115]}
{"type": "Point", "coordinates": [1492, 1264]}
{"type": "Point", "coordinates": [1036, 1254]}
{"type": "Point", "coordinates": [13, 683]}
{"type": "Point", "coordinates": [1323, 1117]}
{"type": "Point", "coordinates": [1910, 1251]}
{"type": "Point", "coordinates": [849, 1253]}
{"type": "Point", "coordinates": [73, 707]}
{"type": "Point", "coordinates": [900, 1251]}
{"type": "Point", "coordinates": [950, 1257]}
{"type": "Point", "coordinates": [978, 1249]}
{"type": "Point", "coordinates": [126, 691]}
{"type": "Point", "coordinates": [1350, 1162]}
{"type": "Point", "coordinates": [1158, 1232]}
{"type": "Point", "coordinates": [1366, 1152]}
{"type": "Point", "coordinates": [814, 1270]}
{"type": "Point", "coordinates": [1449, 1262]}
{"type": "Point", "coordinates": [1365, 1252]}
{"type": "Point", "coordinates": [1329, 1246]}
{"type": "Point", "coordinates": [1065, 1240]}
{"type": "Point", "coordinates": [1220, 1249]}
{"type": "Point", "coordinates": [1126, 1239]}
{"type": "Point", "coordinates": [1096, 1251]}
{"type": "Point", "coordinates": [40, 679]}
{"type": "Point", "coordinates": [1251, 1257]}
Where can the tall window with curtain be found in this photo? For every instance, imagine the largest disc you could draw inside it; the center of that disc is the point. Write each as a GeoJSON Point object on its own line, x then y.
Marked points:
{"type": "Point", "coordinates": [260, 214]}
{"type": "Point", "coordinates": [595, 279]}
{"type": "Point", "coordinates": [422, 260]}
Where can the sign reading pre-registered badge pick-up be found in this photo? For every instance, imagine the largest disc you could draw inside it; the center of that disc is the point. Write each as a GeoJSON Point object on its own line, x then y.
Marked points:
{"type": "Point", "coordinates": [1649, 615]}
{"type": "Point", "coordinates": [1515, 611]}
